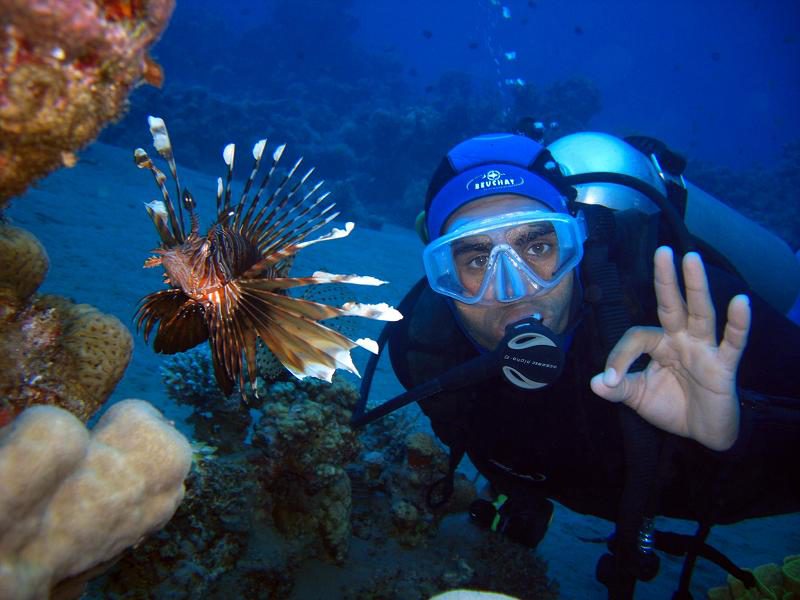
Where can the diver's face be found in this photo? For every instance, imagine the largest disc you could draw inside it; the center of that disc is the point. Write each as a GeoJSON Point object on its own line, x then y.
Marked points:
{"type": "Point", "coordinates": [487, 322]}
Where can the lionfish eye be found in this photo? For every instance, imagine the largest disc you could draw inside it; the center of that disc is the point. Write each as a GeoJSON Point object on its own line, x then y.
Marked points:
{"type": "Point", "coordinates": [188, 200]}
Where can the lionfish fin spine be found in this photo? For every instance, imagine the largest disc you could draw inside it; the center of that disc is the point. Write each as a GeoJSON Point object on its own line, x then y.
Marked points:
{"type": "Point", "coordinates": [270, 201]}
{"type": "Point", "coordinates": [289, 246]}
{"type": "Point", "coordinates": [334, 234]}
{"type": "Point", "coordinates": [258, 150]}
{"type": "Point", "coordinates": [163, 145]}
{"type": "Point", "coordinates": [143, 161]}
{"type": "Point", "coordinates": [189, 203]}
{"type": "Point", "coordinates": [244, 224]}
{"type": "Point", "coordinates": [292, 191]}
{"type": "Point", "coordinates": [272, 234]}
{"type": "Point", "coordinates": [219, 194]}
{"type": "Point", "coordinates": [228, 155]}
{"type": "Point", "coordinates": [158, 215]}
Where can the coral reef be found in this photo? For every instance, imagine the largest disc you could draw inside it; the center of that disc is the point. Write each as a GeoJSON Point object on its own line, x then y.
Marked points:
{"type": "Point", "coordinates": [212, 547]}
{"type": "Point", "coordinates": [401, 485]}
{"type": "Point", "coordinates": [380, 139]}
{"type": "Point", "coordinates": [52, 351]}
{"type": "Point", "coordinates": [773, 581]}
{"type": "Point", "coordinates": [305, 435]}
{"type": "Point", "coordinates": [68, 67]}
{"type": "Point", "coordinates": [83, 497]}
{"type": "Point", "coordinates": [219, 420]}
{"type": "Point", "coordinates": [254, 516]}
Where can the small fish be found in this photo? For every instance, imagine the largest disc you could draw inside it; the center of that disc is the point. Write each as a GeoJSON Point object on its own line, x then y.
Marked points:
{"type": "Point", "coordinates": [427, 34]}
{"type": "Point", "coordinates": [229, 286]}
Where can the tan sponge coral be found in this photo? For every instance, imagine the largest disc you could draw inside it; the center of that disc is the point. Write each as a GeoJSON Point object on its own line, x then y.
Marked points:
{"type": "Point", "coordinates": [83, 496]}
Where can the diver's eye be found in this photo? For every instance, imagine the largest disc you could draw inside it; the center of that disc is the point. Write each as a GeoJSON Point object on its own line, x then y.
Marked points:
{"type": "Point", "coordinates": [478, 262]}
{"type": "Point", "coordinates": [539, 250]}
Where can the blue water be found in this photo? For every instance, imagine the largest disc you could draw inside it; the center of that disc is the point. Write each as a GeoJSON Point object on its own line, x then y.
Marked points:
{"type": "Point", "coordinates": [717, 80]}
{"type": "Point", "coordinates": [374, 92]}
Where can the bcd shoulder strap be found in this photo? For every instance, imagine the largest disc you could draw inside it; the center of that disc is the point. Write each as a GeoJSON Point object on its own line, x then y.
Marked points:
{"type": "Point", "coordinates": [630, 559]}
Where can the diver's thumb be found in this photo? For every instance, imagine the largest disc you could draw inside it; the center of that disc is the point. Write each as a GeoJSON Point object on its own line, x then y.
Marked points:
{"type": "Point", "coordinates": [612, 386]}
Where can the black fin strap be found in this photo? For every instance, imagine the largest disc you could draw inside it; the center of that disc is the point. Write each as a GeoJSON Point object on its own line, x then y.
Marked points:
{"type": "Point", "coordinates": [443, 487]}
{"type": "Point", "coordinates": [679, 544]}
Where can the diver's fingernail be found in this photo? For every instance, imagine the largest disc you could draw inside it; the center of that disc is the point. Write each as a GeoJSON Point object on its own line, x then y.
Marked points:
{"type": "Point", "coordinates": [610, 376]}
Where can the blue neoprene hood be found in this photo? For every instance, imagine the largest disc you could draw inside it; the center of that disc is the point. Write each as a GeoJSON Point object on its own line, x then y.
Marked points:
{"type": "Point", "coordinates": [498, 163]}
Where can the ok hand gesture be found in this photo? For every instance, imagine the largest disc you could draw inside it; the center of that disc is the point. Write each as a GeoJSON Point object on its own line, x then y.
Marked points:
{"type": "Point", "coordinates": [689, 386]}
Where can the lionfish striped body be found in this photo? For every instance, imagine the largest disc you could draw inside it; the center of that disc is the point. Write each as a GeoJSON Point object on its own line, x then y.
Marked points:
{"type": "Point", "coordinates": [229, 286]}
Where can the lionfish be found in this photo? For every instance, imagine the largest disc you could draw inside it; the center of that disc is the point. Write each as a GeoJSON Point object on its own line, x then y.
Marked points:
{"type": "Point", "coordinates": [230, 285]}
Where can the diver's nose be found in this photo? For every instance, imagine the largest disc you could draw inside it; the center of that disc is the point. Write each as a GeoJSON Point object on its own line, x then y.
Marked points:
{"type": "Point", "coordinates": [509, 285]}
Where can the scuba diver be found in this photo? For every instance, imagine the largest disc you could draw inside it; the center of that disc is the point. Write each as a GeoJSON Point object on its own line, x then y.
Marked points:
{"type": "Point", "coordinates": [561, 344]}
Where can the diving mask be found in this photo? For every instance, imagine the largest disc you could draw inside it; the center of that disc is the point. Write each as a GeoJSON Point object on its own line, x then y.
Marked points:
{"type": "Point", "coordinates": [504, 258]}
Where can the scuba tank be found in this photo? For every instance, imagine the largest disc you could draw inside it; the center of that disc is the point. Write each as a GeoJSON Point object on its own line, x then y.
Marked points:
{"type": "Point", "coordinates": [642, 174]}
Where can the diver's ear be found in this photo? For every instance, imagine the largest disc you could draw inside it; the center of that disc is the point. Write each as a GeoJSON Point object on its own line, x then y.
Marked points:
{"type": "Point", "coordinates": [422, 228]}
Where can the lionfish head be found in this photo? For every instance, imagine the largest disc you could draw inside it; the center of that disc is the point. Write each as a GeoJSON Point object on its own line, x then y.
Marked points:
{"type": "Point", "coordinates": [230, 285]}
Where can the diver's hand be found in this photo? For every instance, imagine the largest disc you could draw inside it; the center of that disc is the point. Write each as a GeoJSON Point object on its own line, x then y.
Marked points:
{"type": "Point", "coordinates": [689, 386]}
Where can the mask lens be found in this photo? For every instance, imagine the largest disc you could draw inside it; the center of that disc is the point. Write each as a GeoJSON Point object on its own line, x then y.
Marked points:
{"type": "Point", "coordinates": [537, 244]}
{"type": "Point", "coordinates": [504, 258]}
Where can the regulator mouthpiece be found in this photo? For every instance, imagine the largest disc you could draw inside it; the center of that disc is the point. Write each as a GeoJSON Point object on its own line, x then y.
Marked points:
{"type": "Point", "coordinates": [532, 355]}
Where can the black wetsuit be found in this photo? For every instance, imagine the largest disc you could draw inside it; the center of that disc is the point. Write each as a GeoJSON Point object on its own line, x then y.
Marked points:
{"type": "Point", "coordinates": [566, 443]}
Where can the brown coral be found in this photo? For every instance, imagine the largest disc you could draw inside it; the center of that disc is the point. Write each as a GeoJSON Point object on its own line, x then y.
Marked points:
{"type": "Point", "coordinates": [24, 264]}
{"type": "Point", "coordinates": [306, 440]}
{"type": "Point", "coordinates": [67, 68]}
{"type": "Point", "coordinates": [52, 351]}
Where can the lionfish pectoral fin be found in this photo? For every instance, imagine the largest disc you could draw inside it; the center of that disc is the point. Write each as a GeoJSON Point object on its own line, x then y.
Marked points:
{"type": "Point", "coordinates": [309, 349]}
{"type": "Point", "coordinates": [321, 277]}
{"type": "Point", "coordinates": [282, 249]}
{"type": "Point", "coordinates": [290, 329]}
{"type": "Point", "coordinates": [224, 381]}
{"type": "Point", "coordinates": [368, 344]}
{"type": "Point", "coordinates": [186, 329]}
{"type": "Point", "coordinates": [250, 356]}
{"type": "Point", "coordinates": [180, 322]}
{"type": "Point", "coordinates": [230, 335]}
{"type": "Point", "coordinates": [378, 312]}
{"type": "Point", "coordinates": [318, 311]}
{"type": "Point", "coordinates": [334, 234]}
